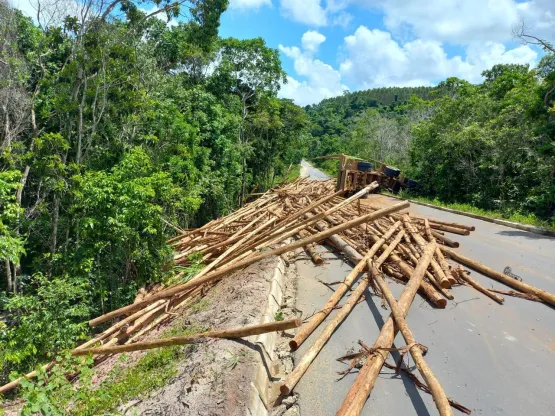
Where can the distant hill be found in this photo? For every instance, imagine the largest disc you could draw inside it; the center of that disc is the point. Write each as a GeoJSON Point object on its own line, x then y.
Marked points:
{"type": "Point", "coordinates": [331, 117]}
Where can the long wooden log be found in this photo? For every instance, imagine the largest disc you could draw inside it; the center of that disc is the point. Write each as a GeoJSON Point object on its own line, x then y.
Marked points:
{"type": "Point", "coordinates": [293, 378]}
{"type": "Point", "coordinates": [453, 230]}
{"type": "Point", "coordinates": [319, 317]}
{"type": "Point", "coordinates": [480, 288]}
{"type": "Point", "coordinates": [440, 258]}
{"type": "Point", "coordinates": [439, 396]}
{"type": "Point", "coordinates": [438, 271]}
{"type": "Point", "coordinates": [311, 249]}
{"type": "Point", "coordinates": [454, 225]}
{"type": "Point", "coordinates": [445, 240]}
{"type": "Point", "coordinates": [216, 274]}
{"type": "Point", "coordinates": [363, 385]}
{"type": "Point", "coordinates": [544, 295]}
{"type": "Point", "coordinates": [189, 339]}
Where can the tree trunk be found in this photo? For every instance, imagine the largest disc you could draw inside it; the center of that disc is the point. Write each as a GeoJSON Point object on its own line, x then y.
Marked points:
{"type": "Point", "coordinates": [9, 282]}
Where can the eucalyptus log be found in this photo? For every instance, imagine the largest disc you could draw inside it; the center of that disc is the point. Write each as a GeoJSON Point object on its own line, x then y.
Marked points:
{"type": "Point", "coordinates": [439, 396]}
{"type": "Point", "coordinates": [480, 288]}
{"type": "Point", "coordinates": [360, 390]}
{"type": "Point", "coordinates": [544, 295]}
{"type": "Point", "coordinates": [190, 339]}
{"type": "Point", "coordinates": [453, 230]}
{"type": "Point", "coordinates": [311, 248]}
{"type": "Point", "coordinates": [445, 240]}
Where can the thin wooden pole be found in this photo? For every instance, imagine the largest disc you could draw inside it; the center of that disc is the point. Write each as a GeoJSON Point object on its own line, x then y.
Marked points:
{"type": "Point", "coordinates": [360, 390]}
{"type": "Point", "coordinates": [319, 317]}
{"type": "Point", "coordinates": [189, 339]}
{"type": "Point", "coordinates": [480, 288]}
{"type": "Point", "coordinates": [544, 295]}
{"type": "Point", "coordinates": [442, 403]}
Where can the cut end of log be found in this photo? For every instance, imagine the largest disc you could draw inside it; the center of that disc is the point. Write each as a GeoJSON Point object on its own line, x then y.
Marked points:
{"type": "Point", "coordinates": [293, 345]}
{"type": "Point", "coordinates": [441, 303]}
{"type": "Point", "coordinates": [446, 284]}
{"type": "Point", "coordinates": [284, 390]}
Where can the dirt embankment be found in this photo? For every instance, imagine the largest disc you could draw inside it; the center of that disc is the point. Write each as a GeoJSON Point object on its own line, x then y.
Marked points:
{"type": "Point", "coordinates": [215, 378]}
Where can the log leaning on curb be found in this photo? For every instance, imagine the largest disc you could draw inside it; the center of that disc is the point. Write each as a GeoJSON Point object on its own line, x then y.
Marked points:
{"type": "Point", "coordinates": [190, 339]}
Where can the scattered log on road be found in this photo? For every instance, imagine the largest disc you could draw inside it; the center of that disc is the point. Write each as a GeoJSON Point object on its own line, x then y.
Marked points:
{"type": "Point", "coordinates": [360, 390]}
{"type": "Point", "coordinates": [442, 403]}
{"type": "Point", "coordinates": [544, 295]}
{"type": "Point", "coordinates": [293, 378]}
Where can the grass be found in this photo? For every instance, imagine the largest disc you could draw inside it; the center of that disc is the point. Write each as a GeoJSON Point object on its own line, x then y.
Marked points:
{"type": "Point", "coordinates": [521, 218]}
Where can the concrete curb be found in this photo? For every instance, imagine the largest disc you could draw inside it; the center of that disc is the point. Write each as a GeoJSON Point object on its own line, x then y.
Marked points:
{"type": "Point", "coordinates": [259, 397]}
{"type": "Point", "coordinates": [529, 228]}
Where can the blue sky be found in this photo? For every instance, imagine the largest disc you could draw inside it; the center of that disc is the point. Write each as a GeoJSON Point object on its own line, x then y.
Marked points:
{"type": "Point", "coordinates": [328, 46]}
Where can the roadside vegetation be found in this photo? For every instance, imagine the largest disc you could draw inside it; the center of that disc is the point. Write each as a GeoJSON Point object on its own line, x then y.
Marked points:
{"type": "Point", "coordinates": [53, 394]}
{"type": "Point", "coordinates": [115, 125]}
{"type": "Point", "coordinates": [489, 147]}
{"type": "Point", "coordinates": [112, 125]}
{"type": "Point", "coordinates": [528, 219]}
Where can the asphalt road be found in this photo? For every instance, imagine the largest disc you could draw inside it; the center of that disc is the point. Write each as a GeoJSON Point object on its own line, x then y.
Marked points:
{"type": "Point", "coordinates": [493, 359]}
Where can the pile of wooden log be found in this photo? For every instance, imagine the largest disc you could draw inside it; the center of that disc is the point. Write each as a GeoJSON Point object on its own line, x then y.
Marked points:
{"type": "Point", "coordinates": [379, 241]}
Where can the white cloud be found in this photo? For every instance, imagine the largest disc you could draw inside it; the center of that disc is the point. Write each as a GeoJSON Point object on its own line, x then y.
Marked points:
{"type": "Point", "coordinates": [313, 12]}
{"type": "Point", "coordinates": [321, 80]}
{"type": "Point", "coordinates": [249, 4]}
{"type": "Point", "coordinates": [464, 21]}
{"type": "Point", "coordinates": [309, 12]}
{"type": "Point", "coordinates": [375, 59]}
{"type": "Point", "coordinates": [311, 40]}
{"type": "Point", "coordinates": [343, 19]}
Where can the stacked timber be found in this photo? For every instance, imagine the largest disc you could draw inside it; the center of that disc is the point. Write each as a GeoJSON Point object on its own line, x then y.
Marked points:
{"type": "Point", "coordinates": [383, 242]}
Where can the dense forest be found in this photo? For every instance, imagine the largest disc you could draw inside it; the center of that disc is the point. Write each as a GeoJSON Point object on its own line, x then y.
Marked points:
{"type": "Point", "coordinates": [114, 125]}
{"type": "Point", "coordinates": [490, 145]}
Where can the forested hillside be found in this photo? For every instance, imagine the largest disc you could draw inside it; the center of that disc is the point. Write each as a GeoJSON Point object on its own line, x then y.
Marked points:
{"type": "Point", "coordinates": [491, 145]}
{"type": "Point", "coordinates": [112, 125]}
{"type": "Point", "coordinates": [335, 118]}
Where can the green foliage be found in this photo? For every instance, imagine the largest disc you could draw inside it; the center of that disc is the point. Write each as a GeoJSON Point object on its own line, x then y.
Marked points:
{"type": "Point", "coordinates": [11, 245]}
{"type": "Point", "coordinates": [371, 124]}
{"type": "Point", "coordinates": [118, 122]}
{"type": "Point", "coordinates": [52, 393]}
{"type": "Point", "coordinates": [46, 319]}
{"type": "Point", "coordinates": [489, 145]}
{"type": "Point", "coordinates": [279, 316]}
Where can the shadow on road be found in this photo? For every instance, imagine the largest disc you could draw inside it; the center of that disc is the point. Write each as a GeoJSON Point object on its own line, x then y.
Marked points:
{"type": "Point", "coordinates": [525, 234]}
